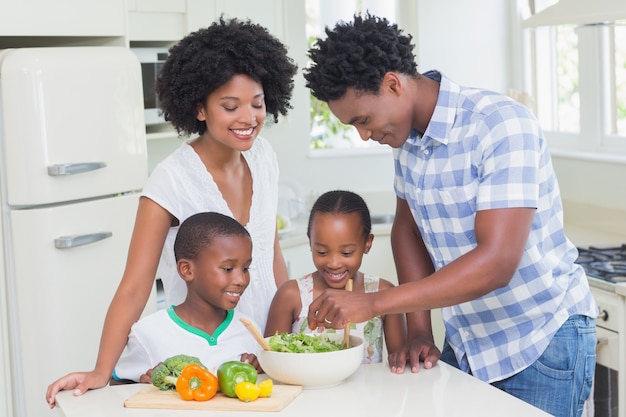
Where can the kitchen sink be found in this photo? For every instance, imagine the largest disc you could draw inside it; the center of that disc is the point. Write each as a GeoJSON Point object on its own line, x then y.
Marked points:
{"type": "Point", "coordinates": [382, 218]}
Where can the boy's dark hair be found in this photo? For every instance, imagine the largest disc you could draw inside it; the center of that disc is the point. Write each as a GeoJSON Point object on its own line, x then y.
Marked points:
{"type": "Point", "coordinates": [208, 58]}
{"type": "Point", "coordinates": [198, 231]}
{"type": "Point", "coordinates": [358, 55]}
{"type": "Point", "coordinates": [342, 202]}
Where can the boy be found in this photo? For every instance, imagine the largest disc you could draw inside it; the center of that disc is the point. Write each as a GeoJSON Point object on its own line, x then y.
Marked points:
{"type": "Point", "coordinates": [213, 255]}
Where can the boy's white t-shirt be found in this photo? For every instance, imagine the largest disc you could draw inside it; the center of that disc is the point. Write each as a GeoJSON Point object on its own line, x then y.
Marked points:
{"type": "Point", "coordinates": [163, 334]}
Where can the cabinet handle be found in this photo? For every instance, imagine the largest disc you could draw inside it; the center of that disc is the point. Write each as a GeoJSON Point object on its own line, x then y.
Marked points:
{"type": "Point", "coordinates": [602, 341]}
{"type": "Point", "coordinates": [65, 242]}
{"type": "Point", "coordinates": [59, 170]}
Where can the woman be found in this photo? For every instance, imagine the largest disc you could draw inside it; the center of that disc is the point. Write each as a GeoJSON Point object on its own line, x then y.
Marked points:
{"type": "Point", "coordinates": [219, 83]}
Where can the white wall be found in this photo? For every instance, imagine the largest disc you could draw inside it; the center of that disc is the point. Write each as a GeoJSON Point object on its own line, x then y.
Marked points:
{"type": "Point", "coordinates": [467, 40]}
{"type": "Point", "coordinates": [593, 192]}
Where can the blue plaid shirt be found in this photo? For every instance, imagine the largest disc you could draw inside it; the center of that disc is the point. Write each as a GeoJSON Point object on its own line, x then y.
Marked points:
{"type": "Point", "coordinates": [480, 151]}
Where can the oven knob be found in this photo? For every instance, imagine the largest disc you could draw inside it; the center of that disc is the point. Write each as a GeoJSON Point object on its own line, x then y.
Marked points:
{"type": "Point", "coordinates": [603, 315]}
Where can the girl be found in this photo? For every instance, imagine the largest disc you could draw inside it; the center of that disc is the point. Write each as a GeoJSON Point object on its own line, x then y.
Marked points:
{"type": "Point", "coordinates": [339, 235]}
{"type": "Point", "coordinates": [219, 83]}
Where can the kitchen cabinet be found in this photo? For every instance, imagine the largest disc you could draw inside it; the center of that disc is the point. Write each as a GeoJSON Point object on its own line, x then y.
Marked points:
{"type": "Point", "coordinates": [298, 260]}
{"type": "Point", "coordinates": [157, 20]}
{"type": "Point", "coordinates": [62, 18]}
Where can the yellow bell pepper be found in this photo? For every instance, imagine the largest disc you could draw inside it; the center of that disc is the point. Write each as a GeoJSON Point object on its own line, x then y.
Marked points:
{"type": "Point", "coordinates": [247, 391]}
{"type": "Point", "coordinates": [266, 387]}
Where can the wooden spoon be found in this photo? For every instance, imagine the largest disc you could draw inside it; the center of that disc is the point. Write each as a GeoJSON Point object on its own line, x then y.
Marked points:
{"type": "Point", "coordinates": [259, 338]}
{"type": "Point", "coordinates": [346, 332]}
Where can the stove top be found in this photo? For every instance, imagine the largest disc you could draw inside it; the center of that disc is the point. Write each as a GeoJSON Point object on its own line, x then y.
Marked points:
{"type": "Point", "coordinates": [607, 264]}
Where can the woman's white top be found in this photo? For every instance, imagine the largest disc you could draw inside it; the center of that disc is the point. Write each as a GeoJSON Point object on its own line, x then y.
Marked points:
{"type": "Point", "coordinates": [182, 185]}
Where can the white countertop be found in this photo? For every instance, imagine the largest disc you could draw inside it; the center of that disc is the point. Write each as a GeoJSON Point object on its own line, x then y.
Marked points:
{"type": "Point", "coordinates": [583, 236]}
{"type": "Point", "coordinates": [372, 391]}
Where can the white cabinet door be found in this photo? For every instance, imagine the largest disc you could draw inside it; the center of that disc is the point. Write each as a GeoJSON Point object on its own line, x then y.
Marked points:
{"type": "Point", "coordinates": [159, 20]}
{"type": "Point", "coordinates": [61, 295]}
{"type": "Point", "coordinates": [72, 123]}
{"type": "Point", "coordinates": [299, 261]}
{"type": "Point", "coordinates": [268, 13]}
{"type": "Point", "coordinates": [62, 18]}
{"type": "Point", "coordinates": [379, 260]}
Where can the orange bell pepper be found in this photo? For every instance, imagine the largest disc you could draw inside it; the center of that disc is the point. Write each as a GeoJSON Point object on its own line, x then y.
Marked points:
{"type": "Point", "coordinates": [196, 383]}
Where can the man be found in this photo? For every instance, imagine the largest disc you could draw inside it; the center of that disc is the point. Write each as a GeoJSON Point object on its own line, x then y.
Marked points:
{"type": "Point", "coordinates": [478, 227]}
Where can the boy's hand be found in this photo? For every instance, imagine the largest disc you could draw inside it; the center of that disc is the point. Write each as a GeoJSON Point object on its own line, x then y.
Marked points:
{"type": "Point", "coordinates": [147, 377]}
{"type": "Point", "coordinates": [252, 360]}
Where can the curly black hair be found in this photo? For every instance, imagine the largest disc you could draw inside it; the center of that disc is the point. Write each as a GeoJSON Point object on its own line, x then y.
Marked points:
{"type": "Point", "coordinates": [358, 54]}
{"type": "Point", "coordinates": [342, 202]}
{"type": "Point", "coordinates": [198, 231]}
{"type": "Point", "coordinates": [208, 58]}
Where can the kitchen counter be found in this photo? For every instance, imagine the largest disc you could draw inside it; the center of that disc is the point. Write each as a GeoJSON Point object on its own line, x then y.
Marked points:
{"type": "Point", "coordinates": [372, 391]}
{"type": "Point", "coordinates": [583, 236]}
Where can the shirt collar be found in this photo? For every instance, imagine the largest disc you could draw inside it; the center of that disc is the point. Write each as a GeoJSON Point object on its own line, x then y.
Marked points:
{"type": "Point", "coordinates": [444, 114]}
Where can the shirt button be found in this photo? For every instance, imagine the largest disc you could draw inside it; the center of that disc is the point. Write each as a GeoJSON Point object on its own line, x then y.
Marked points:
{"type": "Point", "coordinates": [426, 151]}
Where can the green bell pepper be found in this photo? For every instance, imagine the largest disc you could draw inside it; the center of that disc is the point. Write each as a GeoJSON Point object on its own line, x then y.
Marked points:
{"type": "Point", "coordinates": [231, 373]}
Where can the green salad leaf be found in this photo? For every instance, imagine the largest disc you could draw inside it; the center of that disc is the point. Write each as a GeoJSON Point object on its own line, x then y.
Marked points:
{"type": "Point", "coordinates": [303, 343]}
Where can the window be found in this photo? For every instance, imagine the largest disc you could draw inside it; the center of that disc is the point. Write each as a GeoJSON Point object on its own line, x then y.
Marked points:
{"type": "Point", "coordinates": [577, 76]}
{"type": "Point", "coordinates": [558, 78]}
{"type": "Point", "coordinates": [327, 132]}
{"type": "Point", "coordinates": [619, 66]}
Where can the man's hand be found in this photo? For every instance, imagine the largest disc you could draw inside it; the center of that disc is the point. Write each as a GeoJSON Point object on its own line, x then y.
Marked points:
{"type": "Point", "coordinates": [336, 308]}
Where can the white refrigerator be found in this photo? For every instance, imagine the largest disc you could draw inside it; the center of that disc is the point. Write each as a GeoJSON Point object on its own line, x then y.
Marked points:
{"type": "Point", "coordinates": [72, 163]}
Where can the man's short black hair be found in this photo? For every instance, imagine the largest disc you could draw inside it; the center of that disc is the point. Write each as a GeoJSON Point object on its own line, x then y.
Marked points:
{"type": "Point", "coordinates": [358, 54]}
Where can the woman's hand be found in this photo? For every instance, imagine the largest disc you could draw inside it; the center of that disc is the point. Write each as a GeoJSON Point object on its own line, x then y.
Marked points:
{"type": "Point", "coordinates": [80, 382]}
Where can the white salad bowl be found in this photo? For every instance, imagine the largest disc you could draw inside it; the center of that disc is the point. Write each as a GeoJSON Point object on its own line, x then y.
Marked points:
{"type": "Point", "coordinates": [313, 370]}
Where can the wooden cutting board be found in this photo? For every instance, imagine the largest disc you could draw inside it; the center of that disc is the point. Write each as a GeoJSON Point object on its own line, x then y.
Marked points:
{"type": "Point", "coordinates": [152, 397]}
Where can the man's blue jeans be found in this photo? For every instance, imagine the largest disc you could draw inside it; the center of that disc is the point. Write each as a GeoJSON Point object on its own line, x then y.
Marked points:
{"type": "Point", "coordinates": [559, 382]}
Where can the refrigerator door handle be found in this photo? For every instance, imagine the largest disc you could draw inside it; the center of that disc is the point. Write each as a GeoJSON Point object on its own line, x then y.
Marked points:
{"type": "Point", "coordinates": [58, 170]}
{"type": "Point", "coordinates": [66, 242]}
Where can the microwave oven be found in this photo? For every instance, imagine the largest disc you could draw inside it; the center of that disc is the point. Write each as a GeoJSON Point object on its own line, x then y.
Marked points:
{"type": "Point", "coordinates": [151, 60]}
